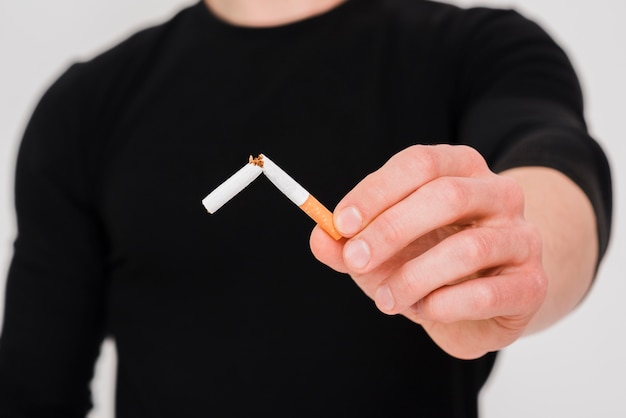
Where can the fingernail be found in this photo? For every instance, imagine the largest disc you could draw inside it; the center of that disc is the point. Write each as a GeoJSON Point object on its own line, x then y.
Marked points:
{"type": "Point", "coordinates": [384, 298]}
{"type": "Point", "coordinates": [357, 254]}
{"type": "Point", "coordinates": [349, 221]}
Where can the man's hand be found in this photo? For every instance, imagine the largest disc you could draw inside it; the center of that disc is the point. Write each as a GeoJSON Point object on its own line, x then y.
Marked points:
{"type": "Point", "coordinates": [436, 236]}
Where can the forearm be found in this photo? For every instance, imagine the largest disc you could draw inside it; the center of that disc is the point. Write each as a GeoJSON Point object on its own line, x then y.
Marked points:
{"type": "Point", "coordinates": [566, 220]}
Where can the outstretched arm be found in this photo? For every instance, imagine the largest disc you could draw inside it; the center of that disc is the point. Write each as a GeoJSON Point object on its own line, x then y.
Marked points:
{"type": "Point", "coordinates": [566, 221]}
{"type": "Point", "coordinates": [478, 259]}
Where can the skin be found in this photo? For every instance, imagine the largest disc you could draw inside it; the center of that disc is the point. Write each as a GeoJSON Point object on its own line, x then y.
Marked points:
{"type": "Point", "coordinates": [489, 258]}
{"type": "Point", "coordinates": [262, 13]}
{"type": "Point", "coordinates": [477, 258]}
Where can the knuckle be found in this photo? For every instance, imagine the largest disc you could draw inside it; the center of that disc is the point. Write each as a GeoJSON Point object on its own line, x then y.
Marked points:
{"type": "Point", "coordinates": [392, 232]}
{"type": "Point", "coordinates": [537, 282]}
{"type": "Point", "coordinates": [532, 243]}
{"type": "Point", "coordinates": [485, 296]}
{"type": "Point", "coordinates": [453, 194]}
{"type": "Point", "coordinates": [532, 291]}
{"type": "Point", "coordinates": [476, 246]}
{"type": "Point", "coordinates": [512, 193]}
{"type": "Point", "coordinates": [431, 308]}
{"type": "Point", "coordinates": [424, 159]}
{"type": "Point", "coordinates": [535, 240]}
{"type": "Point", "coordinates": [475, 158]}
{"type": "Point", "coordinates": [407, 284]}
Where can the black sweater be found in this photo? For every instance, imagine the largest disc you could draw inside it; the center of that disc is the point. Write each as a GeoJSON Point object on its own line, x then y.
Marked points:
{"type": "Point", "coordinates": [230, 314]}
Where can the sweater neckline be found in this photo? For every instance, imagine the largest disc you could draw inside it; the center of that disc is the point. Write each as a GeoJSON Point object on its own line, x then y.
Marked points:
{"type": "Point", "coordinates": [217, 25]}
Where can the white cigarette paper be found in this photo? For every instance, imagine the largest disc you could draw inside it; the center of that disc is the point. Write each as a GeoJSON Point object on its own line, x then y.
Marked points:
{"type": "Point", "coordinates": [298, 195]}
{"type": "Point", "coordinates": [285, 183]}
{"type": "Point", "coordinates": [233, 185]}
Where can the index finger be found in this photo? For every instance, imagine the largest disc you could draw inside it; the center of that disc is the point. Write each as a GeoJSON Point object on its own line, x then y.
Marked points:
{"type": "Point", "coordinates": [400, 176]}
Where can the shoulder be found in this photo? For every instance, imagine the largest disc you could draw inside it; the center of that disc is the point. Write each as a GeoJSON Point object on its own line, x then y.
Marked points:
{"type": "Point", "coordinates": [465, 38]}
{"type": "Point", "coordinates": [88, 95]}
{"type": "Point", "coordinates": [121, 64]}
{"type": "Point", "coordinates": [461, 24]}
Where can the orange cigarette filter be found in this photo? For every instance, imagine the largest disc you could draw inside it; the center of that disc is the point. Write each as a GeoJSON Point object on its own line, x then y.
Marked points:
{"type": "Point", "coordinates": [322, 216]}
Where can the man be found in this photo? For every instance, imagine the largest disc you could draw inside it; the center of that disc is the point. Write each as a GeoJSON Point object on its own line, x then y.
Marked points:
{"type": "Point", "coordinates": [473, 204]}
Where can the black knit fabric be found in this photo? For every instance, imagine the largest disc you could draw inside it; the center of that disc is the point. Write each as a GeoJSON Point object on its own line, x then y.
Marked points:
{"type": "Point", "coordinates": [229, 315]}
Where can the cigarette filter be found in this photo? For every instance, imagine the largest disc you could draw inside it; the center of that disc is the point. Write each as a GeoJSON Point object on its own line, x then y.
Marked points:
{"type": "Point", "coordinates": [298, 195]}
{"type": "Point", "coordinates": [233, 185]}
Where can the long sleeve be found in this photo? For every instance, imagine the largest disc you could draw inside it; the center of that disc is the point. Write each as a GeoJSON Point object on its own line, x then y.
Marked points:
{"type": "Point", "coordinates": [53, 322]}
{"type": "Point", "coordinates": [523, 106]}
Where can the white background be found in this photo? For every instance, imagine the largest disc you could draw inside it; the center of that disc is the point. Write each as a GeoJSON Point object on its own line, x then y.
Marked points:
{"type": "Point", "coordinates": [575, 369]}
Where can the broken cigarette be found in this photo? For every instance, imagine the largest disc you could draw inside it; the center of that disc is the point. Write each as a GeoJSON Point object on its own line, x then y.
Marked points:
{"type": "Point", "coordinates": [285, 183]}
{"type": "Point", "coordinates": [233, 185]}
{"type": "Point", "coordinates": [298, 195]}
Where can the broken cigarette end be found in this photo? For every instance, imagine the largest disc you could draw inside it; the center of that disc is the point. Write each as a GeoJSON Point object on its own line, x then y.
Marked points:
{"type": "Point", "coordinates": [322, 216]}
{"type": "Point", "coordinates": [258, 161]}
